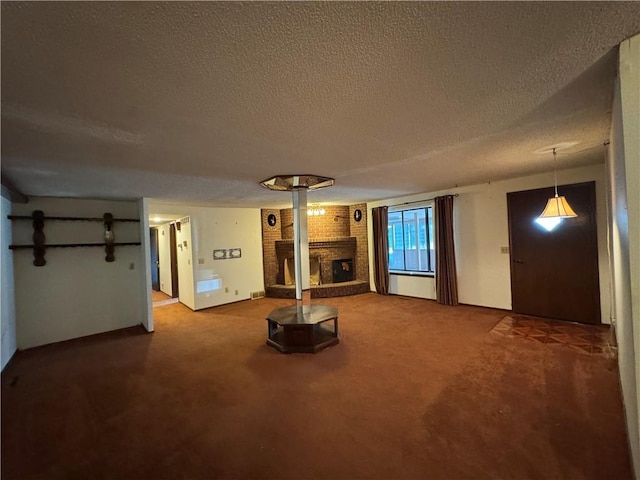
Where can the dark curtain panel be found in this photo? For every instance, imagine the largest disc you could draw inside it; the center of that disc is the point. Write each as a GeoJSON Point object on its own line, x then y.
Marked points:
{"type": "Point", "coordinates": [381, 249]}
{"type": "Point", "coordinates": [446, 279]}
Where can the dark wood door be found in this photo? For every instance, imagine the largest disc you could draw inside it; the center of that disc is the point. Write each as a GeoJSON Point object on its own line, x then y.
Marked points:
{"type": "Point", "coordinates": [155, 259]}
{"type": "Point", "coordinates": [555, 274]}
{"type": "Point", "coordinates": [173, 249]}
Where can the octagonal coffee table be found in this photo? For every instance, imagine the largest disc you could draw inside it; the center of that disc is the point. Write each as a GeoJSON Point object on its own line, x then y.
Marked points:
{"type": "Point", "coordinates": [303, 329]}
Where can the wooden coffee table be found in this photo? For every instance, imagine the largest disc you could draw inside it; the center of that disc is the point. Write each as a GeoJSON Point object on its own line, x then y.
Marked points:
{"type": "Point", "coordinates": [303, 329]}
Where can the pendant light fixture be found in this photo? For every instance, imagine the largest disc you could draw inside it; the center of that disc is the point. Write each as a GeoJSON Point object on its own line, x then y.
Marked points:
{"type": "Point", "coordinates": [316, 210]}
{"type": "Point", "coordinates": [557, 206]}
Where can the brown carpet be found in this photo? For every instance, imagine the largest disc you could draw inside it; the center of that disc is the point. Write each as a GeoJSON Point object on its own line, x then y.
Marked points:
{"type": "Point", "coordinates": [415, 390]}
{"type": "Point", "coordinates": [158, 296]}
{"type": "Point", "coordinates": [161, 299]}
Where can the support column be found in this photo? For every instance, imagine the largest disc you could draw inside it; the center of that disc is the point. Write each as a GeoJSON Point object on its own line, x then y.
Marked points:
{"type": "Point", "coordinates": [299, 328]}
{"type": "Point", "coordinates": [301, 247]}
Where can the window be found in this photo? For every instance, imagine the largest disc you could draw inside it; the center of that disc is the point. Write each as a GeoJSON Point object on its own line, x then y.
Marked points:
{"type": "Point", "coordinates": [411, 241]}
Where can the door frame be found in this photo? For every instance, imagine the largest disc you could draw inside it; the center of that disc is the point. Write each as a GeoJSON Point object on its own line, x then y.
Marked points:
{"type": "Point", "coordinates": [154, 259]}
{"type": "Point", "coordinates": [173, 252]}
{"type": "Point", "coordinates": [593, 239]}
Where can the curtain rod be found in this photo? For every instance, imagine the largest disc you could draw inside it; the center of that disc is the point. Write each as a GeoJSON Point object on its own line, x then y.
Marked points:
{"type": "Point", "coordinates": [422, 201]}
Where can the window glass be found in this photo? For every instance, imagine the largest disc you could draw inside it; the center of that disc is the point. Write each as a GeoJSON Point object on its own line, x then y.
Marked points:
{"type": "Point", "coordinates": [396, 241]}
{"type": "Point", "coordinates": [411, 245]}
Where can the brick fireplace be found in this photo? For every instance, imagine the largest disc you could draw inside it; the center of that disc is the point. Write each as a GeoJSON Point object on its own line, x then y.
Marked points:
{"type": "Point", "coordinates": [336, 235]}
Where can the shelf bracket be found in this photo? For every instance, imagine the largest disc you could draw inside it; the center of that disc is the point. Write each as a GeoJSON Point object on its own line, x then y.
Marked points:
{"type": "Point", "coordinates": [39, 249]}
{"type": "Point", "coordinates": [108, 237]}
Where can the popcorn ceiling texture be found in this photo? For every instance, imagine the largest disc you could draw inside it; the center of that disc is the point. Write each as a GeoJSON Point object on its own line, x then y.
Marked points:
{"type": "Point", "coordinates": [199, 101]}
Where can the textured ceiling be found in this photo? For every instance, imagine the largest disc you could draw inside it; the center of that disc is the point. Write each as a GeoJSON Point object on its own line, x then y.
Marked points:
{"type": "Point", "coordinates": [198, 102]}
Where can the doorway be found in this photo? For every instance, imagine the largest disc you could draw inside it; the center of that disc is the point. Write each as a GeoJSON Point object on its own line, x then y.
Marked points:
{"type": "Point", "coordinates": [164, 259]}
{"type": "Point", "coordinates": [554, 274]}
{"type": "Point", "coordinates": [155, 259]}
{"type": "Point", "coordinates": [173, 253]}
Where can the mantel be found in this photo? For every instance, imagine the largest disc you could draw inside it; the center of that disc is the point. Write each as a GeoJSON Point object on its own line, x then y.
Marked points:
{"type": "Point", "coordinates": [321, 243]}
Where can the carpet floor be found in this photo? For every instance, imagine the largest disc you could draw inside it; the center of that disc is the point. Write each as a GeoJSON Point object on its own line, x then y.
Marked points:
{"type": "Point", "coordinates": [414, 390]}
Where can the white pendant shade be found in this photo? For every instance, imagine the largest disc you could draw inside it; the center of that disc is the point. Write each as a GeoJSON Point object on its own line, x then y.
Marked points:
{"type": "Point", "coordinates": [558, 207]}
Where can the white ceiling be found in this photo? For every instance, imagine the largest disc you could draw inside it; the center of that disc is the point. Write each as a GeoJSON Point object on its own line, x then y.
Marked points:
{"type": "Point", "coordinates": [198, 102]}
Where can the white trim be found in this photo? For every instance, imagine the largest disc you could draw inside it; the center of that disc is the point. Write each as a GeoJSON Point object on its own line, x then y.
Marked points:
{"type": "Point", "coordinates": [145, 264]}
{"type": "Point", "coordinates": [413, 206]}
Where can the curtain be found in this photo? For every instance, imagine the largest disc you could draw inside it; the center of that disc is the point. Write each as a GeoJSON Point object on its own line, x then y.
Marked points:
{"type": "Point", "coordinates": [446, 279]}
{"type": "Point", "coordinates": [381, 249]}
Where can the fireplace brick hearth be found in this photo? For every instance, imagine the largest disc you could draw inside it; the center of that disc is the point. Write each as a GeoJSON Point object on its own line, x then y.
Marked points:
{"type": "Point", "coordinates": [321, 291]}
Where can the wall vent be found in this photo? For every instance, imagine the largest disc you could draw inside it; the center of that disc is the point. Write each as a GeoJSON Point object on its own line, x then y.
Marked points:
{"type": "Point", "coordinates": [258, 294]}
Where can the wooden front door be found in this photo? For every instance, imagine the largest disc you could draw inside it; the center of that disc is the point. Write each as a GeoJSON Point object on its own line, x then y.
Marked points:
{"type": "Point", "coordinates": [555, 274]}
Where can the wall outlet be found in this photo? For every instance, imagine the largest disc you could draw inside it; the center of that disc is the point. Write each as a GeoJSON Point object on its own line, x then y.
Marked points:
{"type": "Point", "coordinates": [226, 289]}
{"type": "Point", "coordinates": [236, 292]}
{"type": "Point", "coordinates": [504, 250]}
{"type": "Point", "coordinates": [132, 266]}
{"type": "Point", "coordinates": [201, 261]}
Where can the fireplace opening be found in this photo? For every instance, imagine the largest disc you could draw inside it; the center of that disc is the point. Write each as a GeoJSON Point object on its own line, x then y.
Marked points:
{"type": "Point", "coordinates": [290, 271]}
{"type": "Point", "coordinates": [342, 270]}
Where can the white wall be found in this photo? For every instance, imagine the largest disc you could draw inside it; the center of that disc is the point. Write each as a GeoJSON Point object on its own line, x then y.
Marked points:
{"type": "Point", "coordinates": [144, 264]}
{"type": "Point", "coordinates": [7, 302]}
{"type": "Point", "coordinates": [624, 175]}
{"type": "Point", "coordinates": [225, 228]}
{"type": "Point", "coordinates": [77, 292]}
{"type": "Point", "coordinates": [481, 228]}
{"type": "Point", "coordinates": [215, 282]}
{"type": "Point", "coordinates": [164, 258]}
{"type": "Point", "coordinates": [620, 266]}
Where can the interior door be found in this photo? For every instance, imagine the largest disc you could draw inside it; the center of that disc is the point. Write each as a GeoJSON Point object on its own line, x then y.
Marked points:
{"type": "Point", "coordinates": [155, 260]}
{"type": "Point", "coordinates": [554, 273]}
{"type": "Point", "coordinates": [173, 251]}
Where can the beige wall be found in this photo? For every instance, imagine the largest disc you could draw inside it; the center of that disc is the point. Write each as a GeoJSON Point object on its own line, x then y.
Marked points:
{"type": "Point", "coordinates": [481, 228]}
{"type": "Point", "coordinates": [144, 260]}
{"type": "Point", "coordinates": [77, 293]}
{"type": "Point", "coordinates": [212, 228]}
{"type": "Point", "coordinates": [7, 302]}
{"type": "Point", "coordinates": [624, 173]}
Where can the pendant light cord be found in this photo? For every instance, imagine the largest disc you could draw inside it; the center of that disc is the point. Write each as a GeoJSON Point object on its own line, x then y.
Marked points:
{"type": "Point", "coordinates": [555, 172]}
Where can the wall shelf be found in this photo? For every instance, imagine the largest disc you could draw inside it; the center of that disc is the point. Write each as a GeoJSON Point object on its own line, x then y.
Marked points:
{"type": "Point", "coordinates": [73, 245]}
{"type": "Point", "coordinates": [39, 246]}
{"type": "Point", "coordinates": [72, 219]}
